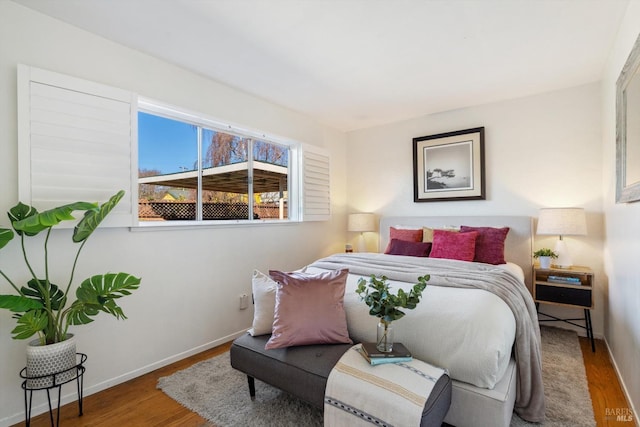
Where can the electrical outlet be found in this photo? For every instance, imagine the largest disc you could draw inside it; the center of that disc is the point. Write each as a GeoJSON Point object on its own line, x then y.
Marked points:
{"type": "Point", "coordinates": [244, 301]}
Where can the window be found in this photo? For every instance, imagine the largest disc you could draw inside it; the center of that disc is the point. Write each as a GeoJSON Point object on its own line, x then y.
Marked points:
{"type": "Point", "coordinates": [77, 141]}
{"type": "Point", "coordinates": [197, 172]}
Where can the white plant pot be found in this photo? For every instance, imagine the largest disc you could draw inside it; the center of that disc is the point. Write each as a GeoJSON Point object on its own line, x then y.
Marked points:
{"type": "Point", "coordinates": [46, 363]}
{"type": "Point", "coordinates": [545, 261]}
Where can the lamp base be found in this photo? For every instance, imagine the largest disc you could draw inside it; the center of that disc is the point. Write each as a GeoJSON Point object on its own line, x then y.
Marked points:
{"type": "Point", "coordinates": [362, 246]}
{"type": "Point", "coordinates": [564, 259]}
{"type": "Point", "coordinates": [562, 267]}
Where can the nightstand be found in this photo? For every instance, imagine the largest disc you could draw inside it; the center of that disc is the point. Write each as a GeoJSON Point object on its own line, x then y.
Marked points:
{"type": "Point", "coordinates": [569, 287]}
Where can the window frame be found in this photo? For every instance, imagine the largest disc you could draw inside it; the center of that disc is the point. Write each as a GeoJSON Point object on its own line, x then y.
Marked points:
{"type": "Point", "coordinates": [201, 121]}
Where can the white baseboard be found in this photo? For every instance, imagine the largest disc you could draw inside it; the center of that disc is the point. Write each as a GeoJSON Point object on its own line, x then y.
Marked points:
{"type": "Point", "coordinates": [73, 396]}
{"type": "Point", "coordinates": [635, 413]}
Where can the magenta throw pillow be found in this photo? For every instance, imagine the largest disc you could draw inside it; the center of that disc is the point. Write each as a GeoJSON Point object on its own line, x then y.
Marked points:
{"type": "Point", "coordinates": [454, 245]}
{"type": "Point", "coordinates": [489, 244]}
{"type": "Point", "coordinates": [309, 309]}
{"type": "Point", "coordinates": [402, 247]}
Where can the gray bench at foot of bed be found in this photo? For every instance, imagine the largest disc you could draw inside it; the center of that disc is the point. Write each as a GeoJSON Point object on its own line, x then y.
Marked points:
{"type": "Point", "coordinates": [303, 371]}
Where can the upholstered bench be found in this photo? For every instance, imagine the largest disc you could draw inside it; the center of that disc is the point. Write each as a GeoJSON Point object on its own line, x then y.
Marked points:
{"type": "Point", "coordinates": [303, 371]}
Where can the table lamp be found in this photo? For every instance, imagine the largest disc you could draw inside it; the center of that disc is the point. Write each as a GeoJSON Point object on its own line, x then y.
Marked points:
{"type": "Point", "coordinates": [361, 222]}
{"type": "Point", "coordinates": [563, 222]}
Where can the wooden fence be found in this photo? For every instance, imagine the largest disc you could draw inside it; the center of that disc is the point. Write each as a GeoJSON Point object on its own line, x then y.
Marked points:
{"type": "Point", "coordinates": [174, 211]}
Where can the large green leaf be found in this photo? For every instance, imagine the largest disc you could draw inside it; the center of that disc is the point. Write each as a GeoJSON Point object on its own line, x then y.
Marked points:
{"type": "Point", "coordinates": [29, 324]}
{"type": "Point", "coordinates": [20, 212]}
{"type": "Point", "coordinates": [98, 293]}
{"type": "Point", "coordinates": [93, 218]}
{"type": "Point", "coordinates": [41, 290]}
{"type": "Point", "coordinates": [18, 303]}
{"type": "Point", "coordinates": [36, 223]}
{"type": "Point", "coordinates": [6, 236]}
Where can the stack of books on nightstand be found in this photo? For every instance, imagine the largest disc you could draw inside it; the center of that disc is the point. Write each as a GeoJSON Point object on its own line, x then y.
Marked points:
{"type": "Point", "coordinates": [377, 357]}
{"type": "Point", "coordinates": [564, 279]}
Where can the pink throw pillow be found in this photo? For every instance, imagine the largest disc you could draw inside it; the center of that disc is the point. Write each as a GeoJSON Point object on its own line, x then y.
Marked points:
{"type": "Point", "coordinates": [454, 245]}
{"type": "Point", "coordinates": [309, 309]}
{"type": "Point", "coordinates": [401, 247]}
{"type": "Point", "coordinates": [405, 234]}
{"type": "Point", "coordinates": [489, 244]}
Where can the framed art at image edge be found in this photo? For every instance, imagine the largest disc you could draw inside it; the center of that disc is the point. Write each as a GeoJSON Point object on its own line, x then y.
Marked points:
{"type": "Point", "coordinates": [449, 166]}
{"type": "Point", "coordinates": [628, 129]}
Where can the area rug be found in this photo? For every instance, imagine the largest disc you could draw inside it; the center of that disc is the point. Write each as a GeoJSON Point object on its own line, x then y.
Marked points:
{"type": "Point", "coordinates": [220, 394]}
{"type": "Point", "coordinates": [566, 389]}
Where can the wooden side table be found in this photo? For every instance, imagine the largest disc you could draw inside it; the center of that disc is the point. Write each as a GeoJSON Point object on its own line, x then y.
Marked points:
{"type": "Point", "coordinates": [569, 287]}
{"type": "Point", "coordinates": [28, 391]}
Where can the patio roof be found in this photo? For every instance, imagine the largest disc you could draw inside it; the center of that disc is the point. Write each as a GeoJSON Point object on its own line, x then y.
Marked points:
{"type": "Point", "coordinates": [229, 178]}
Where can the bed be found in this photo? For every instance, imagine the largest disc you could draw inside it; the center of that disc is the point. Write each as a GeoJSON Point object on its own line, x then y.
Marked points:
{"type": "Point", "coordinates": [477, 320]}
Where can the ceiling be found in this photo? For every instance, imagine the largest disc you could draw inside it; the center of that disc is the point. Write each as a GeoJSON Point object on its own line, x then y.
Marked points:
{"type": "Point", "coordinates": [353, 64]}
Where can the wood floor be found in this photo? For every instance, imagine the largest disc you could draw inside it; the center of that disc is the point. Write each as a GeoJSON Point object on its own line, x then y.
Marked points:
{"type": "Point", "coordinates": [607, 396]}
{"type": "Point", "coordinates": [139, 403]}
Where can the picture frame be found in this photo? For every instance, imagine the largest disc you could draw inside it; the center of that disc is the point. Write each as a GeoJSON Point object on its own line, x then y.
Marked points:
{"type": "Point", "coordinates": [449, 166]}
{"type": "Point", "coordinates": [628, 129]}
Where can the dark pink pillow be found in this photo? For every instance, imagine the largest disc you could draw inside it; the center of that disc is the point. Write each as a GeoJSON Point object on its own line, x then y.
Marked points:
{"type": "Point", "coordinates": [309, 309]}
{"type": "Point", "coordinates": [408, 235]}
{"type": "Point", "coordinates": [454, 245]}
{"type": "Point", "coordinates": [405, 234]}
{"type": "Point", "coordinates": [401, 247]}
{"type": "Point", "coordinates": [489, 244]}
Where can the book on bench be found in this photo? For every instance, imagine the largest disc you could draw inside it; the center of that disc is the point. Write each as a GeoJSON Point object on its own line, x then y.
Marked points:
{"type": "Point", "coordinates": [399, 350]}
{"type": "Point", "coordinates": [377, 357]}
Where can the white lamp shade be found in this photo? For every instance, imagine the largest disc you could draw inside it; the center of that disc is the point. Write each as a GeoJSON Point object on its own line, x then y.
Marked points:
{"type": "Point", "coordinates": [562, 222]}
{"type": "Point", "coordinates": [362, 222]}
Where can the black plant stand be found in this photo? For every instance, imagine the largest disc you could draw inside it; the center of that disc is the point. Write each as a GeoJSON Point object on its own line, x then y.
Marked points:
{"type": "Point", "coordinates": [28, 391]}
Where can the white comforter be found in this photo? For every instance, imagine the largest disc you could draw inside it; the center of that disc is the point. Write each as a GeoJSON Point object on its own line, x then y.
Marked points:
{"type": "Point", "coordinates": [470, 332]}
{"type": "Point", "coordinates": [464, 323]}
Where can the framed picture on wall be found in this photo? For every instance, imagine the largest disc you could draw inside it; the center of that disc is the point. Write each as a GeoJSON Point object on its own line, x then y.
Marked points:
{"type": "Point", "coordinates": [449, 166]}
{"type": "Point", "coordinates": [628, 129]}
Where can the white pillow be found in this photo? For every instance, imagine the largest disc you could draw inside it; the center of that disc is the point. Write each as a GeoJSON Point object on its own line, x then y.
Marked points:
{"type": "Point", "coordinates": [264, 303]}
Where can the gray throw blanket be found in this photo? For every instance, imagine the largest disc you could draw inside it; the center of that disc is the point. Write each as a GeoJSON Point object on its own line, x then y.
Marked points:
{"type": "Point", "coordinates": [530, 403]}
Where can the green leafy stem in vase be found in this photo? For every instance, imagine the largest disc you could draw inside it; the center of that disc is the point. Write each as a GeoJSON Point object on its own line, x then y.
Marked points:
{"type": "Point", "coordinates": [386, 305]}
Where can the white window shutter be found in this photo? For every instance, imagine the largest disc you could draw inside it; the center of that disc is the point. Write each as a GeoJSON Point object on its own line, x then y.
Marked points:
{"type": "Point", "coordinates": [316, 200]}
{"type": "Point", "coordinates": [76, 142]}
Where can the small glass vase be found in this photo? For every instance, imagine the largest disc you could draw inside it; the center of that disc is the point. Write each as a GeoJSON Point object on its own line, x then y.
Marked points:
{"type": "Point", "coordinates": [384, 342]}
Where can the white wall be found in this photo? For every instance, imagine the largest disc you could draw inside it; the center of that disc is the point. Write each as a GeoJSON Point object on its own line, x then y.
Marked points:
{"type": "Point", "coordinates": [191, 279]}
{"type": "Point", "coordinates": [541, 151]}
{"type": "Point", "coordinates": [622, 225]}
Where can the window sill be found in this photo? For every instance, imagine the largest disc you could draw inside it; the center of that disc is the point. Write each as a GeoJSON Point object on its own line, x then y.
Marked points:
{"type": "Point", "coordinates": [191, 225]}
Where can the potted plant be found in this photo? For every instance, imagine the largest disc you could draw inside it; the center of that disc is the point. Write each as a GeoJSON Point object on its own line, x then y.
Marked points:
{"type": "Point", "coordinates": [42, 307]}
{"type": "Point", "coordinates": [386, 305]}
{"type": "Point", "coordinates": [545, 255]}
